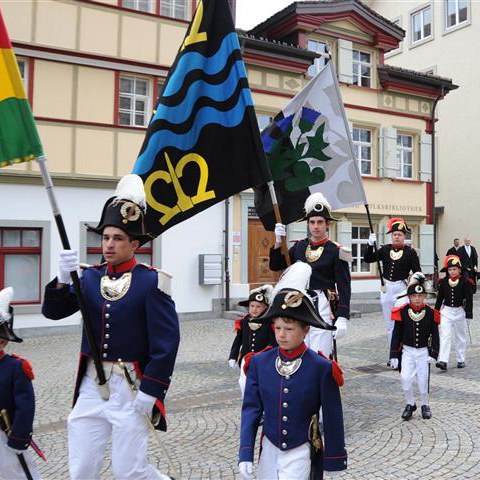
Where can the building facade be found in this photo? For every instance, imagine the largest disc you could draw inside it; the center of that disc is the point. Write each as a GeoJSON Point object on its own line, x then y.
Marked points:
{"type": "Point", "coordinates": [93, 70]}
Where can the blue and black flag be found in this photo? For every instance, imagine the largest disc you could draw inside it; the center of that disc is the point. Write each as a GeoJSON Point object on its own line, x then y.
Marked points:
{"type": "Point", "coordinates": [203, 143]}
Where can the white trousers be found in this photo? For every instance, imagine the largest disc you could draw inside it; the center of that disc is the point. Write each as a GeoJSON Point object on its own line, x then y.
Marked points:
{"type": "Point", "coordinates": [276, 464]}
{"type": "Point", "coordinates": [242, 379]}
{"type": "Point", "coordinates": [415, 366]}
{"type": "Point", "coordinates": [453, 321]}
{"type": "Point", "coordinates": [10, 468]}
{"type": "Point", "coordinates": [389, 300]}
{"type": "Point", "coordinates": [318, 339]}
{"type": "Point", "coordinates": [91, 423]}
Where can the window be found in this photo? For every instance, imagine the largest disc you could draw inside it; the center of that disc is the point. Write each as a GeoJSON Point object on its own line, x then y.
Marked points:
{"type": "Point", "coordinates": [362, 142]}
{"type": "Point", "coordinates": [23, 67]}
{"type": "Point", "coordinates": [398, 23]}
{"type": "Point", "coordinates": [175, 9]}
{"type": "Point", "coordinates": [421, 24]}
{"type": "Point", "coordinates": [359, 246]}
{"type": "Point", "coordinates": [141, 5]}
{"type": "Point", "coordinates": [94, 250]}
{"type": "Point", "coordinates": [319, 63]}
{"type": "Point", "coordinates": [362, 68]}
{"type": "Point", "coordinates": [20, 261]}
{"type": "Point", "coordinates": [405, 155]}
{"type": "Point", "coordinates": [263, 121]}
{"type": "Point", "coordinates": [134, 101]}
{"type": "Point", "coordinates": [456, 12]}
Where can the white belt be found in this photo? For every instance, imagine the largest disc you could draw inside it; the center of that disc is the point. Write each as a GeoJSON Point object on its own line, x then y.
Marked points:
{"type": "Point", "coordinates": [108, 367]}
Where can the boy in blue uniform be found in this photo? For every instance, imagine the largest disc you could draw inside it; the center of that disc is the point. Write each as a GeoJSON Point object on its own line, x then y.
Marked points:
{"type": "Point", "coordinates": [288, 385]}
{"type": "Point", "coordinates": [251, 336]}
{"type": "Point", "coordinates": [17, 401]}
{"type": "Point", "coordinates": [134, 319]}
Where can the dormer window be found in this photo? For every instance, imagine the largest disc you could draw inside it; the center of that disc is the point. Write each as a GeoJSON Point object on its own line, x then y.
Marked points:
{"type": "Point", "coordinates": [362, 68]}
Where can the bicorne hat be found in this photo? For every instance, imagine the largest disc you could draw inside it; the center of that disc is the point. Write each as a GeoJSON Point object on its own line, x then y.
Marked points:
{"type": "Point", "coordinates": [451, 261]}
{"type": "Point", "coordinates": [397, 224]}
{"type": "Point", "coordinates": [6, 316]}
{"type": "Point", "coordinates": [316, 205]}
{"type": "Point", "coordinates": [261, 294]}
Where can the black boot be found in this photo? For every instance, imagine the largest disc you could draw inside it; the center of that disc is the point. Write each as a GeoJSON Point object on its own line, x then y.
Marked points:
{"type": "Point", "coordinates": [441, 365]}
{"type": "Point", "coordinates": [426, 412]}
{"type": "Point", "coordinates": [409, 409]}
{"type": "Point", "coordinates": [461, 365]}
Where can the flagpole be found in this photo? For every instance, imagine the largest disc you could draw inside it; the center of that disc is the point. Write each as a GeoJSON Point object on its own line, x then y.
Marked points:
{"type": "Point", "coordinates": [87, 322]}
{"type": "Point", "coordinates": [278, 218]}
{"type": "Point", "coordinates": [375, 249]}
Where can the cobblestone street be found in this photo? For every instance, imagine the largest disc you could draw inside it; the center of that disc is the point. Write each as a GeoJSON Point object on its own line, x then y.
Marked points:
{"type": "Point", "coordinates": [203, 408]}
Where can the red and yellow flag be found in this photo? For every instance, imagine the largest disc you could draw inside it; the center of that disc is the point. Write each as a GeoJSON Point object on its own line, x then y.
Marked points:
{"type": "Point", "coordinates": [19, 140]}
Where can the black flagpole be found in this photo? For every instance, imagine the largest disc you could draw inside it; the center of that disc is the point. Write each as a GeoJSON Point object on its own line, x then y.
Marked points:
{"type": "Point", "coordinates": [375, 249]}
{"type": "Point", "coordinates": [87, 322]}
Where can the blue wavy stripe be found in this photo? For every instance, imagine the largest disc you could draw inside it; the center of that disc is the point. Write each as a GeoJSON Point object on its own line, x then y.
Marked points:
{"type": "Point", "coordinates": [221, 92]}
{"type": "Point", "coordinates": [205, 116]}
{"type": "Point", "coordinates": [196, 61]}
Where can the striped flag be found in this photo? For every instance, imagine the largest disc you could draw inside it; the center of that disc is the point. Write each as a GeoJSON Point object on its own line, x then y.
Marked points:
{"type": "Point", "coordinates": [203, 143]}
{"type": "Point", "coordinates": [19, 140]}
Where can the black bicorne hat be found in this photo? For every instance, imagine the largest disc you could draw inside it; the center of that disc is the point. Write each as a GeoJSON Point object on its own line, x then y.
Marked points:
{"type": "Point", "coordinates": [397, 224]}
{"type": "Point", "coordinates": [6, 316]}
{"type": "Point", "coordinates": [451, 261]}
{"type": "Point", "coordinates": [126, 210]}
{"type": "Point", "coordinates": [297, 305]}
{"type": "Point", "coordinates": [417, 284]}
{"type": "Point", "coordinates": [316, 205]}
{"type": "Point", "coordinates": [261, 294]}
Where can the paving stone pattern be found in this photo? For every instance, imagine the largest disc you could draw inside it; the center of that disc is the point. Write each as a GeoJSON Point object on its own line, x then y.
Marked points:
{"type": "Point", "coordinates": [203, 408]}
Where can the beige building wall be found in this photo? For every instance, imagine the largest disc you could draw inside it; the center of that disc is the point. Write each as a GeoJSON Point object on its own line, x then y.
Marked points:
{"type": "Point", "coordinates": [450, 54]}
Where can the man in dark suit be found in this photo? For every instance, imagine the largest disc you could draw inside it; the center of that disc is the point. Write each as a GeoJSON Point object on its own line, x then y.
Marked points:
{"type": "Point", "coordinates": [469, 258]}
{"type": "Point", "coordinates": [454, 250]}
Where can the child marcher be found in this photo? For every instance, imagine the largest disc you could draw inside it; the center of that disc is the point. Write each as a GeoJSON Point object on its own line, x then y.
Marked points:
{"type": "Point", "coordinates": [415, 344]}
{"type": "Point", "coordinates": [456, 295]}
{"type": "Point", "coordinates": [288, 385]}
{"type": "Point", "coordinates": [251, 336]}
{"type": "Point", "coordinates": [17, 402]}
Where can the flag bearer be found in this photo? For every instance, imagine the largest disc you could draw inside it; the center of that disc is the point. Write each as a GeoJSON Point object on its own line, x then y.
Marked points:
{"type": "Point", "coordinates": [415, 344]}
{"type": "Point", "coordinates": [289, 384]}
{"type": "Point", "coordinates": [134, 319]}
{"type": "Point", "coordinates": [456, 296]}
{"type": "Point", "coordinates": [330, 271]}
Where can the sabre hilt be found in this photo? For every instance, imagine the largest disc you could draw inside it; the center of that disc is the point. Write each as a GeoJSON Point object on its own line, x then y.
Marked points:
{"type": "Point", "coordinates": [127, 376]}
{"type": "Point", "coordinates": [6, 421]}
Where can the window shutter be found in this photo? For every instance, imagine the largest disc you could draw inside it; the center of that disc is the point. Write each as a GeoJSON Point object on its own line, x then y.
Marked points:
{"type": "Point", "coordinates": [344, 234]}
{"type": "Point", "coordinates": [297, 231]}
{"type": "Point", "coordinates": [425, 157]}
{"type": "Point", "coordinates": [345, 61]}
{"type": "Point", "coordinates": [388, 165]}
{"type": "Point", "coordinates": [382, 236]}
{"type": "Point", "coordinates": [426, 248]}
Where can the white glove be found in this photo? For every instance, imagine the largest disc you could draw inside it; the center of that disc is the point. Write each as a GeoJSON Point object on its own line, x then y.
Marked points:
{"type": "Point", "coordinates": [68, 263]}
{"type": "Point", "coordinates": [144, 403]}
{"type": "Point", "coordinates": [341, 330]}
{"type": "Point", "coordinates": [394, 363]}
{"type": "Point", "coordinates": [280, 231]}
{"type": "Point", "coordinates": [372, 239]}
{"type": "Point", "coordinates": [232, 363]}
{"type": "Point", "coordinates": [246, 470]}
{"type": "Point", "coordinates": [431, 360]}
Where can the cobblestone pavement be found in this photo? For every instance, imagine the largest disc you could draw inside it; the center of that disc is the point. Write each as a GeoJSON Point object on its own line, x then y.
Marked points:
{"type": "Point", "coordinates": [204, 408]}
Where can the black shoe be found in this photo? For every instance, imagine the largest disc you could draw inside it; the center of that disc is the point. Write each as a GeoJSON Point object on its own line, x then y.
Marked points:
{"type": "Point", "coordinates": [409, 409]}
{"type": "Point", "coordinates": [426, 412]}
{"type": "Point", "coordinates": [461, 365]}
{"type": "Point", "coordinates": [441, 365]}
{"type": "Point", "coordinates": [388, 364]}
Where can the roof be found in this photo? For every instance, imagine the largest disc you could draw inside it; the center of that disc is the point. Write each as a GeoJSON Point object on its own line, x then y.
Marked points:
{"type": "Point", "coordinates": [324, 7]}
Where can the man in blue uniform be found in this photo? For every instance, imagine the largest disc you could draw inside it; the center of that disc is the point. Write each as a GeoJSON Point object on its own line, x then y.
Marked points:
{"type": "Point", "coordinates": [288, 385]}
{"type": "Point", "coordinates": [17, 401]}
{"type": "Point", "coordinates": [134, 319]}
{"type": "Point", "coordinates": [398, 260]}
{"type": "Point", "coordinates": [330, 277]}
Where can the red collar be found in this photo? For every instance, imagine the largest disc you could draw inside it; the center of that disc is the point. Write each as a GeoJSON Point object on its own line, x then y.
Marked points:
{"type": "Point", "coordinates": [2, 354]}
{"type": "Point", "coordinates": [453, 278]}
{"type": "Point", "coordinates": [417, 309]}
{"type": "Point", "coordinates": [293, 353]}
{"type": "Point", "coordinates": [398, 248]}
{"type": "Point", "coordinates": [320, 242]}
{"type": "Point", "coordinates": [122, 267]}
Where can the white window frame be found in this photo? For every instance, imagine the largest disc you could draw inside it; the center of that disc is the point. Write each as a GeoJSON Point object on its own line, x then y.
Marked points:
{"type": "Point", "coordinates": [170, 5]}
{"type": "Point", "coordinates": [134, 97]}
{"type": "Point", "coordinates": [317, 46]}
{"type": "Point", "coordinates": [24, 62]}
{"type": "Point", "coordinates": [402, 151]}
{"type": "Point", "coordinates": [137, 5]}
{"type": "Point", "coordinates": [397, 21]}
{"type": "Point", "coordinates": [424, 38]}
{"type": "Point", "coordinates": [357, 259]}
{"type": "Point", "coordinates": [358, 144]}
{"type": "Point", "coordinates": [357, 69]}
{"type": "Point", "coordinates": [458, 24]}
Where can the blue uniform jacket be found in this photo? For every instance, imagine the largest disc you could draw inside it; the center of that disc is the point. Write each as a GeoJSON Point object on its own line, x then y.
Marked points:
{"type": "Point", "coordinates": [328, 272]}
{"type": "Point", "coordinates": [141, 327]}
{"type": "Point", "coordinates": [18, 398]}
{"type": "Point", "coordinates": [289, 404]}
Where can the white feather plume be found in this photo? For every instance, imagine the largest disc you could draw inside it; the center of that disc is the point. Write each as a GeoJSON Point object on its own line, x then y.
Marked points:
{"type": "Point", "coordinates": [265, 290]}
{"type": "Point", "coordinates": [417, 277]}
{"type": "Point", "coordinates": [296, 276]}
{"type": "Point", "coordinates": [313, 200]}
{"type": "Point", "coordinates": [6, 296]}
{"type": "Point", "coordinates": [130, 187]}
